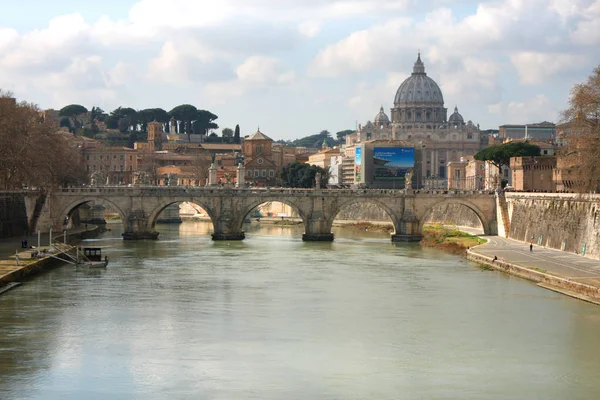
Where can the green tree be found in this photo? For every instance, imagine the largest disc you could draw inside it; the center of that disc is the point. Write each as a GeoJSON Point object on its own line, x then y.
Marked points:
{"type": "Point", "coordinates": [186, 113]}
{"type": "Point", "coordinates": [65, 122]}
{"type": "Point", "coordinates": [204, 122]}
{"type": "Point", "coordinates": [213, 138]}
{"type": "Point", "coordinates": [150, 115]}
{"type": "Point", "coordinates": [122, 118]}
{"type": "Point", "coordinates": [73, 111]}
{"type": "Point", "coordinates": [236, 135]}
{"type": "Point", "coordinates": [341, 135]}
{"type": "Point", "coordinates": [500, 155]}
{"type": "Point", "coordinates": [302, 175]}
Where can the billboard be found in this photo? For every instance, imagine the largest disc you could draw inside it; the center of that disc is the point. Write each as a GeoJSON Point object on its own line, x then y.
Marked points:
{"type": "Point", "coordinates": [392, 163]}
{"type": "Point", "coordinates": [358, 165]}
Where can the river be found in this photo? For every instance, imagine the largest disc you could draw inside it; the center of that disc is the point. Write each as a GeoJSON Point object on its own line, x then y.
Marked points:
{"type": "Point", "coordinates": [275, 318]}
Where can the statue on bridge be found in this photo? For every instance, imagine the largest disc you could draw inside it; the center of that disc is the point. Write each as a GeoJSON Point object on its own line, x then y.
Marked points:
{"type": "Point", "coordinates": [140, 178]}
{"type": "Point", "coordinates": [95, 178]}
{"type": "Point", "coordinates": [408, 179]}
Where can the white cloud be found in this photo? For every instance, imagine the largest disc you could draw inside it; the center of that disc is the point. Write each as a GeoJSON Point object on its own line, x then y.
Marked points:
{"type": "Point", "coordinates": [256, 72]}
{"type": "Point", "coordinates": [536, 68]}
{"type": "Point", "coordinates": [362, 50]}
{"type": "Point", "coordinates": [236, 49]}
{"type": "Point", "coordinates": [309, 28]}
{"type": "Point", "coordinates": [535, 109]}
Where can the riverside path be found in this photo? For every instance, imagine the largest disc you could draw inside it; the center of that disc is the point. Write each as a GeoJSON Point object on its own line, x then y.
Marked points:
{"type": "Point", "coordinates": [581, 271]}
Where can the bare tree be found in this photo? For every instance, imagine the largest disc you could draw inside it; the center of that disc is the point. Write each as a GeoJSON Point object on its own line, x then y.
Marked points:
{"type": "Point", "coordinates": [579, 158]}
{"type": "Point", "coordinates": [32, 153]}
{"type": "Point", "coordinates": [200, 165]}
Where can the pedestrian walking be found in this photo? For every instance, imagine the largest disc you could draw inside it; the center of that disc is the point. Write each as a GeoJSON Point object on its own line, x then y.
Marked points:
{"type": "Point", "coordinates": [531, 247]}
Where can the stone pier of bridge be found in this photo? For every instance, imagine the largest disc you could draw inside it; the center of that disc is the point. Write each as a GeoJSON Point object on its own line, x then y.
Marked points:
{"type": "Point", "coordinates": [228, 207]}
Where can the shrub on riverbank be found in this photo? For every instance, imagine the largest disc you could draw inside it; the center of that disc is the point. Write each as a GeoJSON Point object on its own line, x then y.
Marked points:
{"type": "Point", "coordinates": [449, 239]}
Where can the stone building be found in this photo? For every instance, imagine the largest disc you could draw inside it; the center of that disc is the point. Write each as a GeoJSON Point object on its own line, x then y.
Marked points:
{"type": "Point", "coordinates": [542, 131]}
{"type": "Point", "coordinates": [261, 169]}
{"type": "Point", "coordinates": [534, 174]}
{"type": "Point", "coordinates": [109, 164]}
{"type": "Point", "coordinates": [419, 117]}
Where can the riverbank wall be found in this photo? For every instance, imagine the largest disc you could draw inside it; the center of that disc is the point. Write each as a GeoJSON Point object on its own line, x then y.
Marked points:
{"type": "Point", "coordinates": [13, 215]}
{"type": "Point", "coordinates": [561, 221]}
{"type": "Point", "coordinates": [562, 285]}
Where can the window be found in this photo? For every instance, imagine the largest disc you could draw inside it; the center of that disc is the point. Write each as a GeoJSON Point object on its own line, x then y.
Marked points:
{"type": "Point", "coordinates": [470, 136]}
{"type": "Point", "coordinates": [259, 148]}
{"type": "Point", "coordinates": [256, 173]}
{"type": "Point", "coordinates": [114, 156]}
{"type": "Point", "coordinates": [249, 173]}
{"type": "Point", "coordinates": [271, 173]}
{"type": "Point", "coordinates": [122, 167]}
{"type": "Point", "coordinates": [260, 161]}
{"type": "Point", "coordinates": [442, 172]}
{"type": "Point", "coordinates": [131, 168]}
{"type": "Point", "coordinates": [263, 173]}
{"type": "Point", "coordinates": [130, 158]}
{"type": "Point", "coordinates": [122, 157]}
{"type": "Point", "coordinates": [88, 157]}
{"type": "Point", "coordinates": [88, 167]}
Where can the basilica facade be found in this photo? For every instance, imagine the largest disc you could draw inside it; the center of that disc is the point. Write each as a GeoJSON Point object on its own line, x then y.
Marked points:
{"type": "Point", "coordinates": [420, 118]}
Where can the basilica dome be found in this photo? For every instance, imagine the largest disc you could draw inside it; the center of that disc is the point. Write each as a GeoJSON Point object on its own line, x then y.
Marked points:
{"type": "Point", "coordinates": [419, 88]}
{"type": "Point", "coordinates": [456, 118]}
{"type": "Point", "coordinates": [381, 118]}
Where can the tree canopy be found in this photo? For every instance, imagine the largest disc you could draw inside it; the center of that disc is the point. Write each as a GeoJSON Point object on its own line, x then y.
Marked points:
{"type": "Point", "coordinates": [32, 153]}
{"type": "Point", "coordinates": [341, 135]}
{"type": "Point", "coordinates": [72, 110]}
{"type": "Point", "coordinates": [580, 157]}
{"type": "Point", "coordinates": [302, 175]}
{"type": "Point", "coordinates": [204, 121]}
{"type": "Point", "coordinates": [500, 155]}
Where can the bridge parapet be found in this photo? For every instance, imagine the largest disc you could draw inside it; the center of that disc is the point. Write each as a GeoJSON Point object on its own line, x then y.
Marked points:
{"type": "Point", "coordinates": [139, 206]}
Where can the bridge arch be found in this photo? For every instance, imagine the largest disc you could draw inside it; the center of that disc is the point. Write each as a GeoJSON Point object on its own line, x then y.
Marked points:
{"type": "Point", "coordinates": [155, 213]}
{"type": "Point", "coordinates": [394, 215]}
{"type": "Point", "coordinates": [68, 210]}
{"type": "Point", "coordinates": [485, 222]}
{"type": "Point", "coordinates": [247, 209]}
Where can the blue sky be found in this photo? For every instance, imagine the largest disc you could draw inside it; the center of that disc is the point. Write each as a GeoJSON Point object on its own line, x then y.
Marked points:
{"type": "Point", "coordinates": [298, 67]}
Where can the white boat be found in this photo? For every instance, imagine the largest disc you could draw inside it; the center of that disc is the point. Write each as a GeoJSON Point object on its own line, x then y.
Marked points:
{"type": "Point", "coordinates": [91, 257]}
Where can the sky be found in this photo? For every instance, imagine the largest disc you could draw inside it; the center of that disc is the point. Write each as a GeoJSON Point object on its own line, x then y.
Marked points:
{"type": "Point", "coordinates": [297, 67]}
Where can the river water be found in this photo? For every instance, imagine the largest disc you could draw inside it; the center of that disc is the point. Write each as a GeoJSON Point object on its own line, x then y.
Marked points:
{"type": "Point", "coordinates": [275, 318]}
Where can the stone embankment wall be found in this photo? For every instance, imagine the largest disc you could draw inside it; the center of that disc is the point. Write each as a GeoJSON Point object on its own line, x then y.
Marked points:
{"type": "Point", "coordinates": [365, 211]}
{"type": "Point", "coordinates": [454, 214]}
{"type": "Point", "coordinates": [13, 215]}
{"type": "Point", "coordinates": [568, 222]}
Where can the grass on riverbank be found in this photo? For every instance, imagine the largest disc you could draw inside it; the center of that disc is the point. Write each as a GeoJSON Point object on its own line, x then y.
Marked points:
{"type": "Point", "coordinates": [449, 239]}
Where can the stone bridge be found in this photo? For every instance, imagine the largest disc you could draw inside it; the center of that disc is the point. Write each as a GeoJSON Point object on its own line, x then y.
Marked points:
{"type": "Point", "coordinates": [140, 207]}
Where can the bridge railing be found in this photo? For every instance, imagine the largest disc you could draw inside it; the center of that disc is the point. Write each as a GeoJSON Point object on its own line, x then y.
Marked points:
{"type": "Point", "coordinates": [268, 190]}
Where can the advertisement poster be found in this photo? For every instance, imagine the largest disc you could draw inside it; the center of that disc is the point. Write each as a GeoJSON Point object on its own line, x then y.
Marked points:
{"type": "Point", "coordinates": [358, 165]}
{"type": "Point", "coordinates": [392, 163]}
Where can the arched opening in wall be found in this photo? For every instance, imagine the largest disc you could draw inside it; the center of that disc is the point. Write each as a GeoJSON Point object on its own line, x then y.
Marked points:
{"type": "Point", "coordinates": [184, 219]}
{"type": "Point", "coordinates": [93, 215]}
{"type": "Point", "coordinates": [359, 219]}
{"type": "Point", "coordinates": [452, 216]}
{"type": "Point", "coordinates": [273, 218]}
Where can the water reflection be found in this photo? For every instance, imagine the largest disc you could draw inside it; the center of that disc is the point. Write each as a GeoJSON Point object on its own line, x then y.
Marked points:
{"type": "Point", "coordinates": [273, 317]}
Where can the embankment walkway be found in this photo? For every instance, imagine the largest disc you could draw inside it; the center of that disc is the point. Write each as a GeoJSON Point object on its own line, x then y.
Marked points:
{"type": "Point", "coordinates": [564, 272]}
